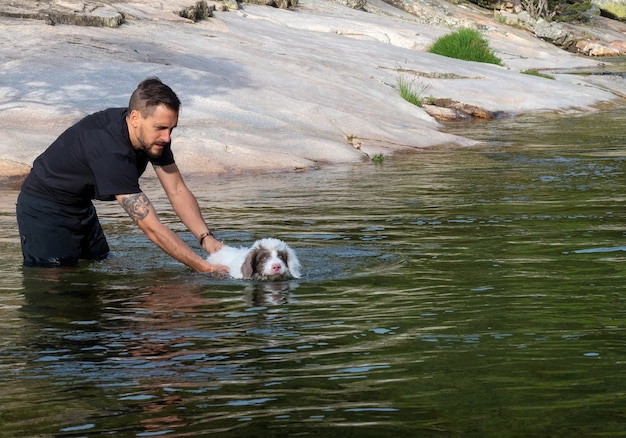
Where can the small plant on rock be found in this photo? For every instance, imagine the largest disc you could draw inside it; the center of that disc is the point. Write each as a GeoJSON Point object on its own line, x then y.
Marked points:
{"type": "Point", "coordinates": [466, 44]}
{"type": "Point", "coordinates": [538, 9]}
{"type": "Point", "coordinates": [410, 91]}
{"type": "Point", "coordinates": [558, 10]}
{"type": "Point", "coordinates": [573, 10]}
{"type": "Point", "coordinates": [535, 72]}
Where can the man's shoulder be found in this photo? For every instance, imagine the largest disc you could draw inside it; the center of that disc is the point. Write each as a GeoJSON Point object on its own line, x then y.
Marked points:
{"type": "Point", "coordinates": [105, 117]}
{"type": "Point", "coordinates": [106, 128]}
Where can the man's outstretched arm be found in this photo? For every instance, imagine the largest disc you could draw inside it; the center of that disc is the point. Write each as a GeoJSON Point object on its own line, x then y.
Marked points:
{"type": "Point", "coordinates": [142, 212]}
{"type": "Point", "coordinates": [186, 206]}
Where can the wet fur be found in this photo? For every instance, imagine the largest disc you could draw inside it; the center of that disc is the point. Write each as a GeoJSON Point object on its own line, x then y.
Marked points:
{"type": "Point", "coordinates": [255, 263]}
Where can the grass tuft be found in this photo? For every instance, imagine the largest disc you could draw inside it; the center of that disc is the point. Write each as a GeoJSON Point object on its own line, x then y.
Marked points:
{"type": "Point", "coordinates": [466, 44]}
{"type": "Point", "coordinates": [410, 91]}
{"type": "Point", "coordinates": [535, 72]}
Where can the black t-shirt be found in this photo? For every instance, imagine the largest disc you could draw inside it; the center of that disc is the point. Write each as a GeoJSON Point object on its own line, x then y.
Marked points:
{"type": "Point", "coordinates": [93, 159]}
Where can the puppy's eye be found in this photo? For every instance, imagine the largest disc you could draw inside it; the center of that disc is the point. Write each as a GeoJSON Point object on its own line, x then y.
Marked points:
{"type": "Point", "coordinates": [263, 256]}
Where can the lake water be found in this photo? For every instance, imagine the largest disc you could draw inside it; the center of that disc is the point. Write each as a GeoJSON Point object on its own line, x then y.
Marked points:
{"type": "Point", "coordinates": [474, 292]}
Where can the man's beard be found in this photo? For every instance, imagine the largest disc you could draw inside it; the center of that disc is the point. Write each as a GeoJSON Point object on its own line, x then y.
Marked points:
{"type": "Point", "coordinates": [152, 153]}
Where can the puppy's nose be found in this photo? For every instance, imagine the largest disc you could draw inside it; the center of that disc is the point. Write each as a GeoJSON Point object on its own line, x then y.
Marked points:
{"type": "Point", "coordinates": [276, 267]}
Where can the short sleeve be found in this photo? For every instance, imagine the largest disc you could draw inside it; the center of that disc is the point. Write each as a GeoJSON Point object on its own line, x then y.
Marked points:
{"type": "Point", "coordinates": [167, 157]}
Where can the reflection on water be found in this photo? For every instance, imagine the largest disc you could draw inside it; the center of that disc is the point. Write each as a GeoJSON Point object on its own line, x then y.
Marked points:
{"type": "Point", "coordinates": [472, 292]}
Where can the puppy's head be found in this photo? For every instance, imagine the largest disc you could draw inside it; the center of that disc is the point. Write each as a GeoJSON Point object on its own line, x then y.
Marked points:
{"type": "Point", "coordinates": [270, 259]}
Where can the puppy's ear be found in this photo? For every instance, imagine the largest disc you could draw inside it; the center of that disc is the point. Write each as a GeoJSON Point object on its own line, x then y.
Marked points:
{"type": "Point", "coordinates": [247, 269]}
{"type": "Point", "coordinates": [293, 263]}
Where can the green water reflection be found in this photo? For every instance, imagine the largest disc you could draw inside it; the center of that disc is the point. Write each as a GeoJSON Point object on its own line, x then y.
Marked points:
{"type": "Point", "coordinates": [474, 292]}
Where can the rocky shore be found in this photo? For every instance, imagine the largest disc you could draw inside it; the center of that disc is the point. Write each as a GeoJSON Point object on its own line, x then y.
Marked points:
{"type": "Point", "coordinates": [285, 87]}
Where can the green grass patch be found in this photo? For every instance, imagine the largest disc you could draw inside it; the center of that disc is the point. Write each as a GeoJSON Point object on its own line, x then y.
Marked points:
{"type": "Point", "coordinates": [411, 91]}
{"type": "Point", "coordinates": [466, 44]}
{"type": "Point", "coordinates": [535, 72]}
{"type": "Point", "coordinates": [378, 158]}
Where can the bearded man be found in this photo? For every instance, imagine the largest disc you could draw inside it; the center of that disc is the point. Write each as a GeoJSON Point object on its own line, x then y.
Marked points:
{"type": "Point", "coordinates": [102, 157]}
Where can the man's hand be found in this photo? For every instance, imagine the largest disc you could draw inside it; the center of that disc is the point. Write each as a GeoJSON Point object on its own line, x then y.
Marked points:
{"type": "Point", "coordinates": [210, 244]}
{"type": "Point", "coordinates": [218, 271]}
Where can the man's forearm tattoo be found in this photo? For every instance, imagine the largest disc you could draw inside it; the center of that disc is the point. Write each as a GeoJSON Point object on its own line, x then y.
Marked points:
{"type": "Point", "coordinates": [137, 206]}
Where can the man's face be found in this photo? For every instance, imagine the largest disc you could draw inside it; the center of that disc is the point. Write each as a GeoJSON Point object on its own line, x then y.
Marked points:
{"type": "Point", "coordinates": [152, 133]}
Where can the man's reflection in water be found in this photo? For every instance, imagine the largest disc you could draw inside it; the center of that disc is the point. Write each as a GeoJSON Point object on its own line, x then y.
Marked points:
{"type": "Point", "coordinates": [55, 299]}
{"type": "Point", "coordinates": [157, 342]}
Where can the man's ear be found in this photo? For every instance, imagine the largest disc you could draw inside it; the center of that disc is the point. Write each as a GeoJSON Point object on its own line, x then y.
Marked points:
{"type": "Point", "coordinates": [134, 117]}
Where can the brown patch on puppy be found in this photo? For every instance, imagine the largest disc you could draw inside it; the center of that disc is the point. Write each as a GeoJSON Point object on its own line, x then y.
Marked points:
{"type": "Point", "coordinates": [283, 256]}
{"type": "Point", "coordinates": [253, 264]}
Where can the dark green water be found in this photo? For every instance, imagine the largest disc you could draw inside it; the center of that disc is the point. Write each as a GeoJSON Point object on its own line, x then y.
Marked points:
{"type": "Point", "coordinates": [475, 292]}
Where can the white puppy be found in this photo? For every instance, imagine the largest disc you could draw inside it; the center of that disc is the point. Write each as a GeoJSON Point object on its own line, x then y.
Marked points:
{"type": "Point", "coordinates": [267, 259]}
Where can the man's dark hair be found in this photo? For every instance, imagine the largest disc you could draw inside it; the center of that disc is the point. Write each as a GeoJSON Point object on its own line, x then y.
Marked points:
{"type": "Point", "coordinates": [151, 93]}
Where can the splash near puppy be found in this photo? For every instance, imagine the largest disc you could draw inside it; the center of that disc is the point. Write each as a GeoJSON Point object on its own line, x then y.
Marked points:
{"type": "Point", "coordinates": [266, 259]}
